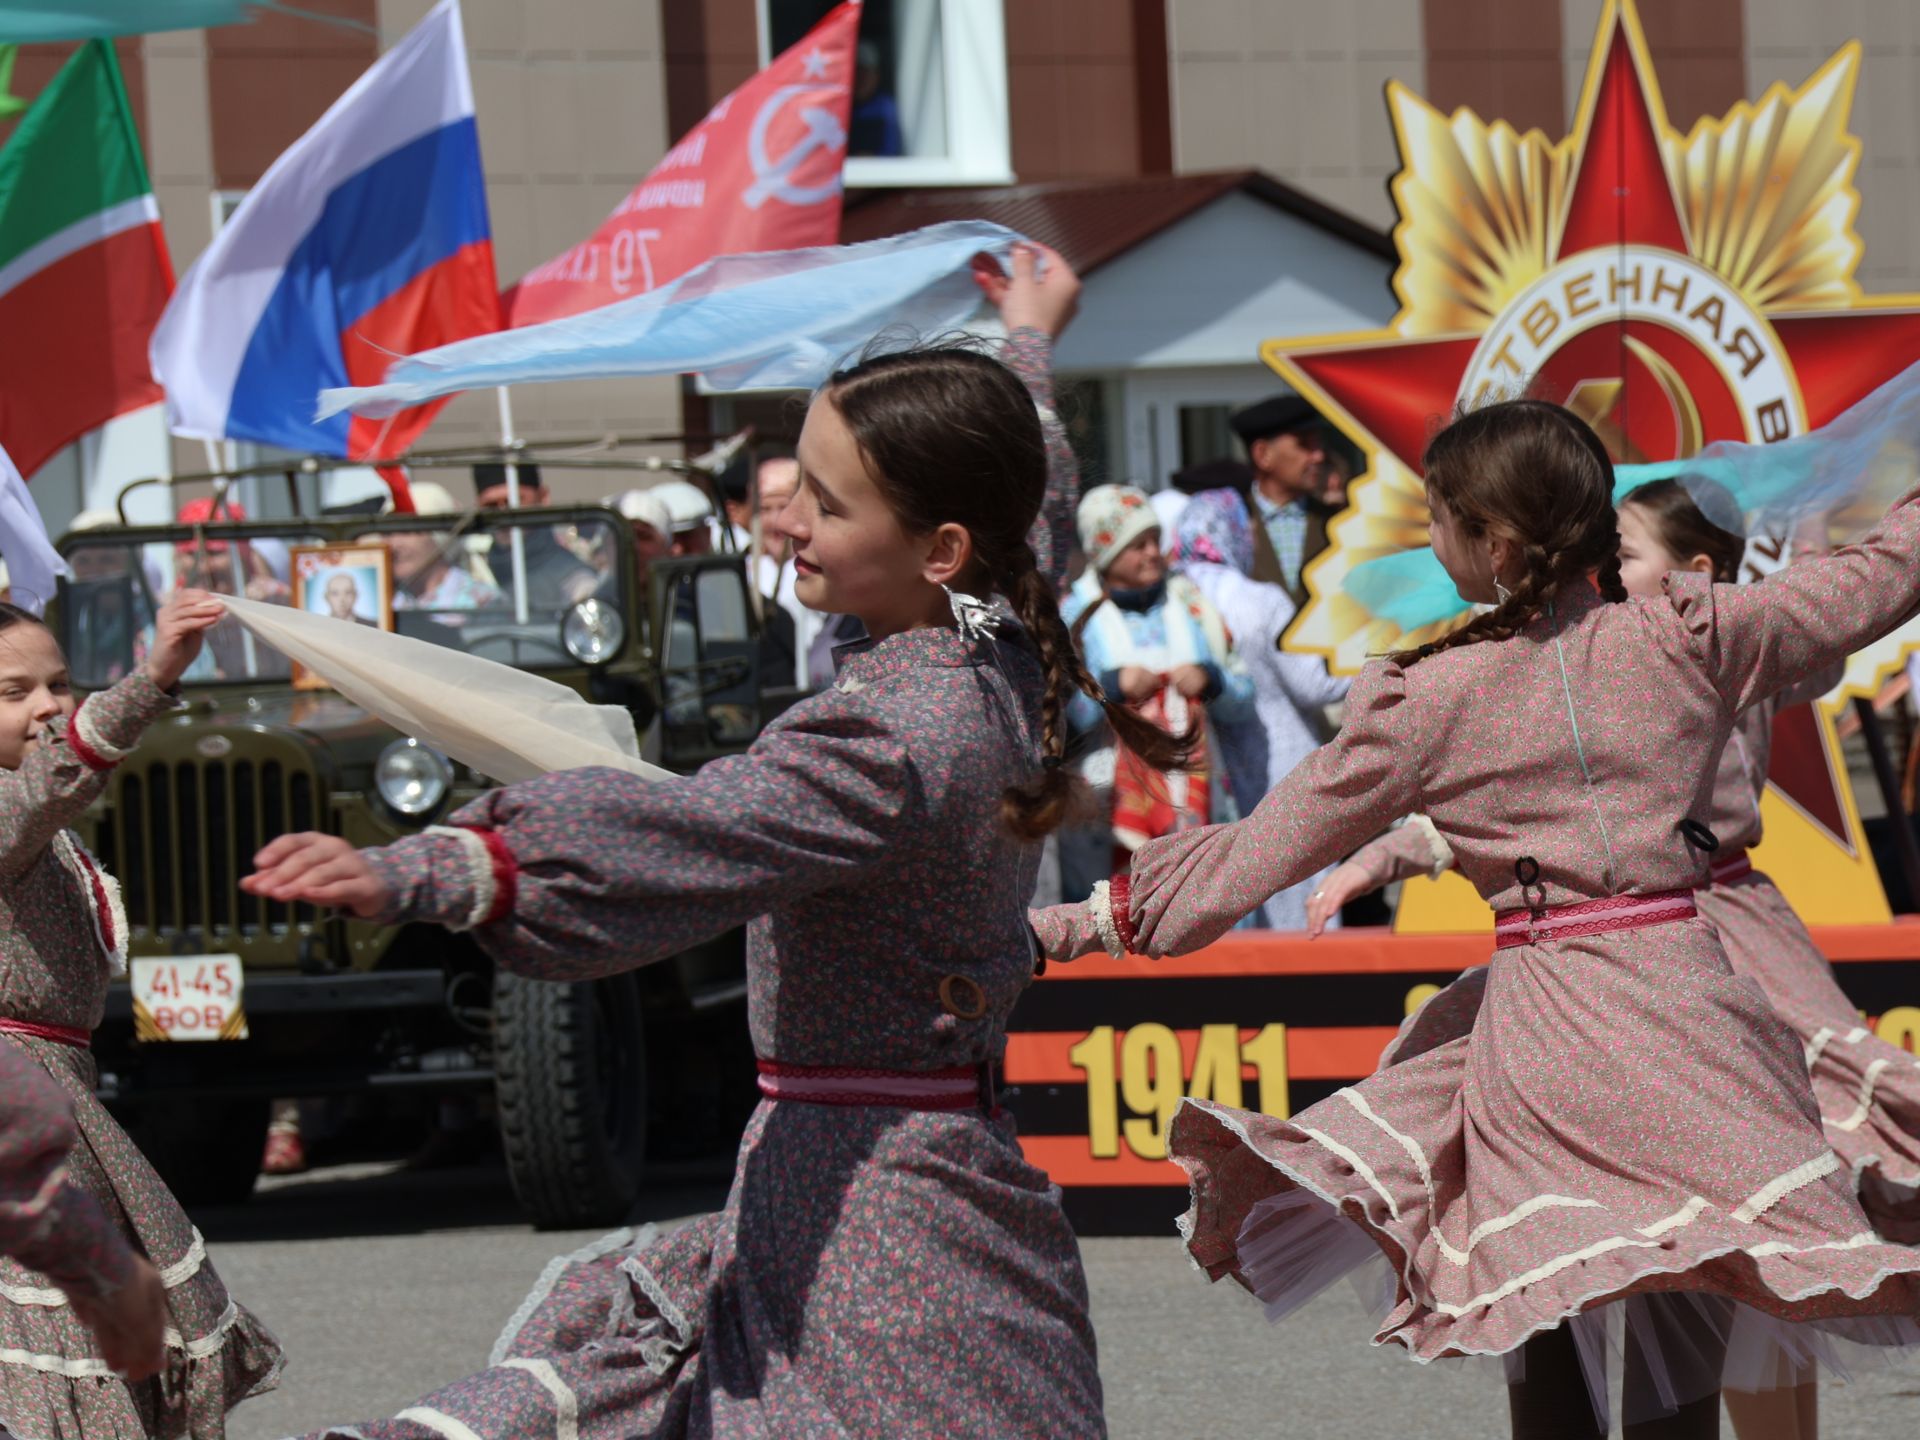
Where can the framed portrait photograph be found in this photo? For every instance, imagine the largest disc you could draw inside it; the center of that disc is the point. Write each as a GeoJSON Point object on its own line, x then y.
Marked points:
{"type": "Point", "coordinates": [350, 583]}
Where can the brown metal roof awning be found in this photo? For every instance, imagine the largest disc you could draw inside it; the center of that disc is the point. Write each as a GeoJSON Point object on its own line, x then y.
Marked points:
{"type": "Point", "coordinates": [1091, 222]}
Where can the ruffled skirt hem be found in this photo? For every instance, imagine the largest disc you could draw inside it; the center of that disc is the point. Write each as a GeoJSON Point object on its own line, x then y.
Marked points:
{"type": "Point", "coordinates": [1285, 1254]}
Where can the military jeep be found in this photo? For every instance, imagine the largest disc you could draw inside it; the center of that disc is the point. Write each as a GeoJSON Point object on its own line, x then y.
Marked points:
{"type": "Point", "coordinates": [286, 1001]}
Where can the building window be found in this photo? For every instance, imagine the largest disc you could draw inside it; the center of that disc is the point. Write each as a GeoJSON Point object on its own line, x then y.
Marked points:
{"type": "Point", "coordinates": [930, 88]}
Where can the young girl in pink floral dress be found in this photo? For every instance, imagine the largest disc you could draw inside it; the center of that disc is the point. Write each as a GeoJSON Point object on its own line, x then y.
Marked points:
{"type": "Point", "coordinates": [61, 935]}
{"type": "Point", "coordinates": [1627, 1119]}
{"type": "Point", "coordinates": [1868, 1091]}
{"type": "Point", "coordinates": [887, 1265]}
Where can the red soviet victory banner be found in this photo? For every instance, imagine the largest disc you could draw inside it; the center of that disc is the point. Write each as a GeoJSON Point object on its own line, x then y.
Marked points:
{"type": "Point", "coordinates": [760, 172]}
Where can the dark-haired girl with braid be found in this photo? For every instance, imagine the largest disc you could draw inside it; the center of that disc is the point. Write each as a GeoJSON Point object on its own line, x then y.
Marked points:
{"type": "Point", "coordinates": [1626, 1120]}
{"type": "Point", "coordinates": [1868, 1091]}
{"type": "Point", "coordinates": [887, 1263]}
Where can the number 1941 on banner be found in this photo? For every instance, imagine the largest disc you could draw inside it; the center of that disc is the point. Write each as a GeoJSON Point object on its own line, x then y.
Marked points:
{"type": "Point", "coordinates": [1149, 1071]}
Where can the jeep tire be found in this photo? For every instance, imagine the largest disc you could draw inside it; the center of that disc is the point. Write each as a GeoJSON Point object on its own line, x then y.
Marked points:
{"type": "Point", "coordinates": [570, 1072]}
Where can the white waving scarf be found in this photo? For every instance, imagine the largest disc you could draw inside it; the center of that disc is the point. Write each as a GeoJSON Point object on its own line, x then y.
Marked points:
{"type": "Point", "coordinates": [502, 722]}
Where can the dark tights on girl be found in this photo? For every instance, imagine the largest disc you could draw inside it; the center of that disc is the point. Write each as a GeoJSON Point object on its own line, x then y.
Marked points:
{"type": "Point", "coordinates": [1552, 1402]}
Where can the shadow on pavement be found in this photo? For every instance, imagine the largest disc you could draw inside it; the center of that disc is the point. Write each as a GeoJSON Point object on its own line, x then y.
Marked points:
{"type": "Point", "coordinates": [392, 1199]}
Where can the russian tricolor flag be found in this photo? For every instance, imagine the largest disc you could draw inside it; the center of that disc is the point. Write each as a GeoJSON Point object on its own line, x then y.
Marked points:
{"type": "Point", "coordinates": [367, 239]}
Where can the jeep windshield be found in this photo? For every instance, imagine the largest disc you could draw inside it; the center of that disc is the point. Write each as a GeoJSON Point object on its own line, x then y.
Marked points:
{"type": "Point", "coordinates": [453, 586]}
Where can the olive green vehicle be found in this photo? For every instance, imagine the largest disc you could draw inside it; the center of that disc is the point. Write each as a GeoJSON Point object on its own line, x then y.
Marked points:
{"type": "Point", "coordinates": [586, 1079]}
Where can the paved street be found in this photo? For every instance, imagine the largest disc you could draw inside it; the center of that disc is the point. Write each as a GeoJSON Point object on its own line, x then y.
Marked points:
{"type": "Point", "coordinates": [383, 1284]}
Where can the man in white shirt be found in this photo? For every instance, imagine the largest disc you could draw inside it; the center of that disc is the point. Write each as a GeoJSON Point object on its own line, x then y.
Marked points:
{"type": "Point", "coordinates": [778, 480]}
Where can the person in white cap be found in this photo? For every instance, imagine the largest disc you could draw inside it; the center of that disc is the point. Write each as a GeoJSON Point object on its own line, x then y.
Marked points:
{"type": "Point", "coordinates": [1154, 642]}
{"type": "Point", "coordinates": [690, 513]}
{"type": "Point", "coordinates": [650, 523]}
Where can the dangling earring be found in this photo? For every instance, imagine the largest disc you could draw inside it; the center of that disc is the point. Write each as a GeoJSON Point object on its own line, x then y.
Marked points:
{"type": "Point", "coordinates": [976, 618]}
{"type": "Point", "coordinates": [1501, 593]}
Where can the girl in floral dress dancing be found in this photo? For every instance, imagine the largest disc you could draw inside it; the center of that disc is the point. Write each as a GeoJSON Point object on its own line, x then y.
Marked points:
{"type": "Point", "coordinates": [887, 1264]}
{"type": "Point", "coordinates": [1627, 1119]}
{"type": "Point", "coordinates": [1868, 1090]}
{"type": "Point", "coordinates": [61, 934]}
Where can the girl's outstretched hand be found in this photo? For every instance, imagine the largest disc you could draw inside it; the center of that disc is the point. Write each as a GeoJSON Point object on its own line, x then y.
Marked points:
{"type": "Point", "coordinates": [178, 632]}
{"type": "Point", "coordinates": [1045, 299]}
{"type": "Point", "coordinates": [317, 869]}
{"type": "Point", "coordinates": [1345, 881]}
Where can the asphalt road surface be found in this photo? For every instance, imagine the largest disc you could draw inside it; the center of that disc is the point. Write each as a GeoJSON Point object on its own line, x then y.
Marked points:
{"type": "Point", "coordinates": [384, 1283]}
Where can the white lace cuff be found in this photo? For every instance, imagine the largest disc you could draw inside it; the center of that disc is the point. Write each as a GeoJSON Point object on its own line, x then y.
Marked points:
{"type": "Point", "coordinates": [1100, 906]}
{"type": "Point", "coordinates": [479, 874]}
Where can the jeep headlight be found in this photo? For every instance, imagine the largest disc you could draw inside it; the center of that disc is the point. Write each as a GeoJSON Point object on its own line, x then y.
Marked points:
{"type": "Point", "coordinates": [593, 632]}
{"type": "Point", "coordinates": [412, 778]}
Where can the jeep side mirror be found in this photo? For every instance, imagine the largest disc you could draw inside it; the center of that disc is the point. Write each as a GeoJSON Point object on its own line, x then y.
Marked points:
{"type": "Point", "coordinates": [707, 641]}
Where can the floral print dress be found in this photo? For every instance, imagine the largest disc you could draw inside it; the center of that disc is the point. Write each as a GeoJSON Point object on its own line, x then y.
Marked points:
{"type": "Point", "coordinates": [1626, 1115]}
{"type": "Point", "coordinates": [877, 1271]}
{"type": "Point", "coordinates": [1868, 1090]}
{"type": "Point", "coordinates": [60, 937]}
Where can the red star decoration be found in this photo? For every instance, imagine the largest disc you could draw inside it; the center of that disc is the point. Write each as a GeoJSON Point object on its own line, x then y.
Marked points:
{"type": "Point", "coordinates": [1397, 390]}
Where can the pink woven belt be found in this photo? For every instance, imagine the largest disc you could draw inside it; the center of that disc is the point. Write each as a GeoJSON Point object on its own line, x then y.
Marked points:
{"type": "Point", "coordinates": [63, 1034]}
{"type": "Point", "coordinates": [956, 1088]}
{"type": "Point", "coordinates": [1591, 917]}
{"type": "Point", "coordinates": [1732, 868]}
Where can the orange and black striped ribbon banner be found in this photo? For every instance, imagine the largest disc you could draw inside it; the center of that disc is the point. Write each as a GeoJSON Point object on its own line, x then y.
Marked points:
{"type": "Point", "coordinates": [1100, 1052]}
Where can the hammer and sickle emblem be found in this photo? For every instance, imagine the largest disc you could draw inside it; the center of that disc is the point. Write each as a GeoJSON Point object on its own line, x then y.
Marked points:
{"type": "Point", "coordinates": [1594, 401]}
{"type": "Point", "coordinates": [773, 179]}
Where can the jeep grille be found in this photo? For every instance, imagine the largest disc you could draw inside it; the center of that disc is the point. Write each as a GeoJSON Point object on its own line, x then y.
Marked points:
{"type": "Point", "coordinates": [181, 834]}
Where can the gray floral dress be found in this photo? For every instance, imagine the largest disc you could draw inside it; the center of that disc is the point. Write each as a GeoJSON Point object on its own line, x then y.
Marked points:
{"type": "Point", "coordinates": [59, 932]}
{"type": "Point", "coordinates": [877, 1271]}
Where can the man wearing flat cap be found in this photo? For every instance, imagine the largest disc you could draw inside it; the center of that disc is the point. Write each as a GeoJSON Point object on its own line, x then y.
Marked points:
{"type": "Point", "coordinates": [1286, 446]}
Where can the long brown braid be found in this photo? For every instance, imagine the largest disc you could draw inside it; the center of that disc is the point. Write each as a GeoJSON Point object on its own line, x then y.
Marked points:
{"type": "Point", "coordinates": [1536, 474]}
{"type": "Point", "coordinates": [951, 436]}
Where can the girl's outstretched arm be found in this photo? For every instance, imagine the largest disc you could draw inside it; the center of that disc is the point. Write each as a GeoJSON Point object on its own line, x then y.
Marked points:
{"type": "Point", "coordinates": [66, 770]}
{"type": "Point", "coordinates": [1036, 302]}
{"type": "Point", "coordinates": [69, 765]}
{"type": "Point", "coordinates": [1760, 638]}
{"type": "Point", "coordinates": [1415, 848]}
{"type": "Point", "coordinates": [1187, 890]}
{"type": "Point", "coordinates": [584, 873]}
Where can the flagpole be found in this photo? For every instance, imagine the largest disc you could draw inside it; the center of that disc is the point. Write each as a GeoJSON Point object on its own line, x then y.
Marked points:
{"type": "Point", "coordinates": [516, 537]}
{"type": "Point", "coordinates": [221, 460]}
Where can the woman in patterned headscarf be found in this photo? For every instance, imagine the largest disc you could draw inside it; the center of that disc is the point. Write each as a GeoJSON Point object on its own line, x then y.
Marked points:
{"type": "Point", "coordinates": [1153, 641]}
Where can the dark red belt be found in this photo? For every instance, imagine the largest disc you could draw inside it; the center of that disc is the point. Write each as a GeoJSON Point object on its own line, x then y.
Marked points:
{"type": "Point", "coordinates": [1736, 865]}
{"type": "Point", "coordinates": [959, 1087]}
{"type": "Point", "coordinates": [1590, 917]}
{"type": "Point", "coordinates": [62, 1034]}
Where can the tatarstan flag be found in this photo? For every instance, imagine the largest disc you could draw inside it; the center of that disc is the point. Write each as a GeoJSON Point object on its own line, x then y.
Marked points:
{"type": "Point", "coordinates": [84, 272]}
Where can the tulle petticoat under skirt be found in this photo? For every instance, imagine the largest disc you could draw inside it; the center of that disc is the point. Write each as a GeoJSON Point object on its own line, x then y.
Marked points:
{"type": "Point", "coordinates": [1642, 1357]}
{"type": "Point", "coordinates": [1625, 1140]}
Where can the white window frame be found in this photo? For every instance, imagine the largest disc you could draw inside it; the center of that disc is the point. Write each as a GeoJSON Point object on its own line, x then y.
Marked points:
{"type": "Point", "coordinates": [973, 40]}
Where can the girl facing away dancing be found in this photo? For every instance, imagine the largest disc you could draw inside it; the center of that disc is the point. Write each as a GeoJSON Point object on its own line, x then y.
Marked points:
{"type": "Point", "coordinates": [887, 1263]}
{"type": "Point", "coordinates": [1626, 1120]}
{"type": "Point", "coordinates": [1868, 1091]}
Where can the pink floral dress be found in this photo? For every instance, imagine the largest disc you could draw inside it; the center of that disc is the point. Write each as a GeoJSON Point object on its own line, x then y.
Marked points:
{"type": "Point", "coordinates": [1868, 1091]}
{"type": "Point", "coordinates": [1627, 1115]}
